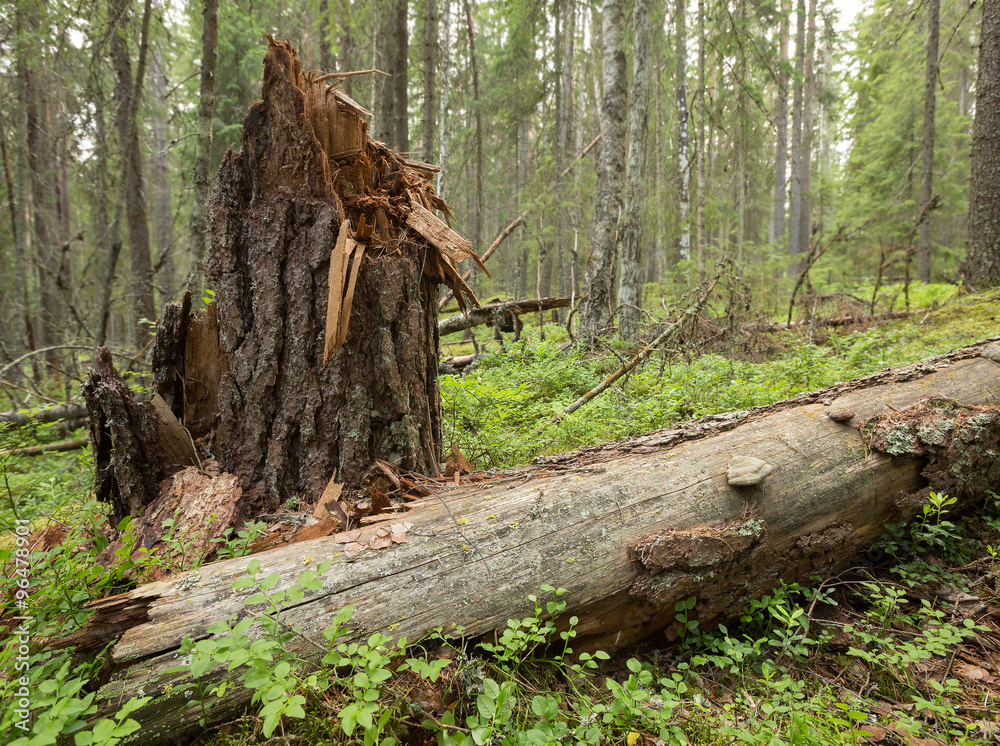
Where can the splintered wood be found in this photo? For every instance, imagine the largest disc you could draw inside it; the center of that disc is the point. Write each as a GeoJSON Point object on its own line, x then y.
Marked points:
{"type": "Point", "coordinates": [371, 183]}
{"type": "Point", "coordinates": [345, 262]}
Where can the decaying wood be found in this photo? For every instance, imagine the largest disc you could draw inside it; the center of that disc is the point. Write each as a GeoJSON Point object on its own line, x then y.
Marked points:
{"type": "Point", "coordinates": [188, 363]}
{"type": "Point", "coordinates": [319, 352]}
{"type": "Point", "coordinates": [500, 313]}
{"type": "Point", "coordinates": [135, 444]}
{"type": "Point", "coordinates": [200, 503]}
{"type": "Point", "coordinates": [629, 530]}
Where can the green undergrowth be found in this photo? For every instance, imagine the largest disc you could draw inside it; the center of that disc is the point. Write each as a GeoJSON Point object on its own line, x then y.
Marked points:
{"type": "Point", "coordinates": [493, 413]}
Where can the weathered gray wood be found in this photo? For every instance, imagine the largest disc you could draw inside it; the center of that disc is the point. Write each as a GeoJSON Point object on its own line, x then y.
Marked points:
{"type": "Point", "coordinates": [602, 529]}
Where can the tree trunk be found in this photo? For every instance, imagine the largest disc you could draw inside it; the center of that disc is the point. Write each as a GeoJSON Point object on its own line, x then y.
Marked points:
{"type": "Point", "coordinates": [683, 148]}
{"type": "Point", "coordinates": [795, 200]}
{"type": "Point", "coordinates": [808, 95]}
{"type": "Point", "coordinates": [129, 95]}
{"type": "Point", "coordinates": [392, 56]}
{"type": "Point", "coordinates": [983, 252]}
{"type": "Point", "coordinates": [200, 230]}
{"type": "Point", "coordinates": [430, 75]}
{"type": "Point", "coordinates": [927, 155]}
{"type": "Point", "coordinates": [630, 291]}
{"type": "Point", "coordinates": [443, 94]}
{"type": "Point", "coordinates": [162, 202]}
{"type": "Point", "coordinates": [477, 230]}
{"type": "Point", "coordinates": [594, 311]}
{"type": "Point", "coordinates": [777, 233]}
{"type": "Point", "coordinates": [702, 149]}
{"type": "Point", "coordinates": [629, 528]}
{"type": "Point", "coordinates": [399, 80]}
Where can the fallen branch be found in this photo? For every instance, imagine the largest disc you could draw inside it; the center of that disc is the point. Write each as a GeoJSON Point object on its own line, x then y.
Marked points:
{"type": "Point", "coordinates": [504, 313]}
{"type": "Point", "coordinates": [839, 321]}
{"type": "Point", "coordinates": [64, 445]}
{"type": "Point", "coordinates": [68, 411]}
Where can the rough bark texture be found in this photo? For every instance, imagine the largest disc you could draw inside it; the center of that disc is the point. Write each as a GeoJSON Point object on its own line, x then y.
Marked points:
{"type": "Point", "coordinates": [500, 314]}
{"type": "Point", "coordinates": [630, 290]}
{"type": "Point", "coordinates": [287, 421]}
{"type": "Point", "coordinates": [983, 252]}
{"type": "Point", "coordinates": [595, 312]}
{"type": "Point", "coordinates": [136, 219]}
{"type": "Point", "coordinates": [702, 152]}
{"type": "Point", "coordinates": [805, 167]}
{"type": "Point", "coordinates": [650, 522]}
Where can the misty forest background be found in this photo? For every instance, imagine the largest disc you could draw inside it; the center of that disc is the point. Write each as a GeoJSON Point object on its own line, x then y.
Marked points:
{"type": "Point", "coordinates": [772, 130]}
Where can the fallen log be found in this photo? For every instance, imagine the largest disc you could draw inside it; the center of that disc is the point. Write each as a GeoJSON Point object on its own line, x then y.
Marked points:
{"type": "Point", "coordinates": [67, 411]}
{"type": "Point", "coordinates": [502, 314]}
{"type": "Point", "coordinates": [63, 445]}
{"type": "Point", "coordinates": [628, 528]}
{"type": "Point", "coordinates": [841, 320]}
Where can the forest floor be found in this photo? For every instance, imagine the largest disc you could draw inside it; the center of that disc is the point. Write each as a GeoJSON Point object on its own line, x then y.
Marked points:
{"type": "Point", "coordinates": [904, 648]}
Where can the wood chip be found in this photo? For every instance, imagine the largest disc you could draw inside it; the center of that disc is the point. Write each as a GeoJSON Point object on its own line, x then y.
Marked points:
{"type": "Point", "coordinates": [347, 537]}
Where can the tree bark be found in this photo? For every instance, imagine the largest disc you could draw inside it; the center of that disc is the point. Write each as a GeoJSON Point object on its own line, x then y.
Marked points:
{"type": "Point", "coordinates": [501, 313]}
{"type": "Point", "coordinates": [392, 56]}
{"type": "Point", "coordinates": [68, 411]}
{"type": "Point", "coordinates": [683, 147]}
{"type": "Point", "coordinates": [628, 528]}
{"type": "Point", "coordinates": [477, 229]}
{"type": "Point", "coordinates": [630, 290]}
{"type": "Point", "coordinates": [162, 201]}
{"type": "Point", "coordinates": [777, 232]}
{"type": "Point", "coordinates": [200, 230]}
{"type": "Point", "coordinates": [595, 312]}
{"type": "Point", "coordinates": [983, 247]}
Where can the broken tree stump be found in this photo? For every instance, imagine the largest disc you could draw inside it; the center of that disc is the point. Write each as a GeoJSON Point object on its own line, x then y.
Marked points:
{"type": "Point", "coordinates": [628, 528]}
{"type": "Point", "coordinates": [307, 172]}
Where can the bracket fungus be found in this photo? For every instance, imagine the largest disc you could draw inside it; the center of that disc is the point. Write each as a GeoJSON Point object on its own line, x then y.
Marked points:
{"type": "Point", "coordinates": [746, 471]}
